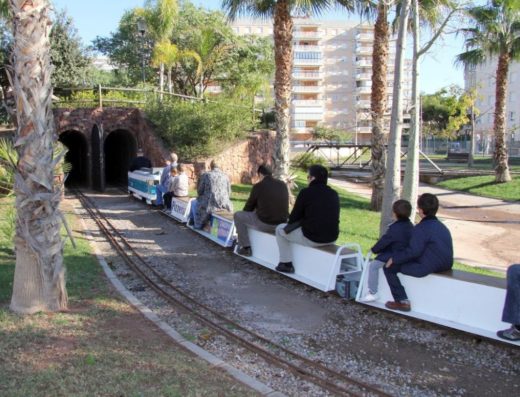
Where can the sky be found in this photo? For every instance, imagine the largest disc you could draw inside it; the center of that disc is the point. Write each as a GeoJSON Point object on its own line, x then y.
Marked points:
{"type": "Point", "coordinates": [100, 17]}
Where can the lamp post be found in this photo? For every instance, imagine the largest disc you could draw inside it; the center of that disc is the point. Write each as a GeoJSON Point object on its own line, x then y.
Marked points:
{"type": "Point", "coordinates": [141, 28]}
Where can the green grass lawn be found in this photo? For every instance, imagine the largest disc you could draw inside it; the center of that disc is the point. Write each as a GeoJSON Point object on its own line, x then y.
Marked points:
{"type": "Point", "coordinates": [357, 223]}
{"type": "Point", "coordinates": [485, 186]}
{"type": "Point", "coordinates": [100, 347]}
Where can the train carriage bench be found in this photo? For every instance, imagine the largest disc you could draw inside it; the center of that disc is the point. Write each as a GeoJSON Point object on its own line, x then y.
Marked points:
{"type": "Point", "coordinates": [461, 300]}
{"type": "Point", "coordinates": [180, 209]}
{"type": "Point", "coordinates": [317, 267]}
{"type": "Point", "coordinates": [220, 228]}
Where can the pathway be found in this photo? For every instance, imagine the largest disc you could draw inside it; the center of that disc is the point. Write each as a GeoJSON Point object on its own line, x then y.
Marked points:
{"type": "Point", "coordinates": [485, 231]}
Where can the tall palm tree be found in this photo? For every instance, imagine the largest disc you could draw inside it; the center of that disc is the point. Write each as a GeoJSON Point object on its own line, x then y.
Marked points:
{"type": "Point", "coordinates": [496, 34]}
{"type": "Point", "coordinates": [169, 55]}
{"type": "Point", "coordinates": [280, 11]}
{"type": "Point", "coordinates": [160, 17]}
{"type": "Point", "coordinates": [39, 280]}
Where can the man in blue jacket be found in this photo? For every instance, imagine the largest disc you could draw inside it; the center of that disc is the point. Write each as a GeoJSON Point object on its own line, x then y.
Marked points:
{"type": "Point", "coordinates": [430, 251]}
{"type": "Point", "coordinates": [314, 220]}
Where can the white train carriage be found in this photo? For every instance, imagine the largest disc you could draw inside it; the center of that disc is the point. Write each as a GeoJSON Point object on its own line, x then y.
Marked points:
{"type": "Point", "coordinates": [142, 183]}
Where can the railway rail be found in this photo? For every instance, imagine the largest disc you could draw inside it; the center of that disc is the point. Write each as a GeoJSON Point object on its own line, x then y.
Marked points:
{"type": "Point", "coordinates": [302, 367]}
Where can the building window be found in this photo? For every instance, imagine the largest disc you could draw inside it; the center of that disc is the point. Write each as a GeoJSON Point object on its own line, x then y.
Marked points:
{"type": "Point", "coordinates": [511, 116]}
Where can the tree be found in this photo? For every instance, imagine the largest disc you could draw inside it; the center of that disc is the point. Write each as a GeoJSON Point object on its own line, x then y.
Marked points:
{"type": "Point", "coordinates": [69, 59]}
{"type": "Point", "coordinates": [160, 18]}
{"type": "Point", "coordinates": [280, 11]}
{"type": "Point", "coordinates": [39, 280]}
{"type": "Point", "coordinates": [429, 11]}
{"type": "Point", "coordinates": [496, 34]}
{"type": "Point", "coordinates": [392, 187]}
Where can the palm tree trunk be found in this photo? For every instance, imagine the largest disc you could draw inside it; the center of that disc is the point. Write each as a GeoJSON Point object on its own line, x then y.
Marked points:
{"type": "Point", "coordinates": [39, 280]}
{"type": "Point", "coordinates": [392, 186]}
{"type": "Point", "coordinates": [378, 104]}
{"type": "Point", "coordinates": [500, 156]}
{"type": "Point", "coordinates": [283, 29]}
{"type": "Point", "coordinates": [411, 176]}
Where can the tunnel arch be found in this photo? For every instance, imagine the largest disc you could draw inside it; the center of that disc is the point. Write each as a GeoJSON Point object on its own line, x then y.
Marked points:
{"type": "Point", "coordinates": [120, 148]}
{"type": "Point", "coordinates": [77, 156]}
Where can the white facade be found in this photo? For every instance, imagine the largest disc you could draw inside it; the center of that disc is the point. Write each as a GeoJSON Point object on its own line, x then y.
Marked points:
{"type": "Point", "coordinates": [332, 72]}
{"type": "Point", "coordinates": [482, 78]}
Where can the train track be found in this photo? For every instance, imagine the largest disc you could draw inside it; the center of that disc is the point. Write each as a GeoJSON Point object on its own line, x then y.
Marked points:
{"type": "Point", "coordinates": [313, 372]}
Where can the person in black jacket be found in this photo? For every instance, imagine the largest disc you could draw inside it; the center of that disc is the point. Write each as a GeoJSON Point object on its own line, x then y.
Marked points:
{"type": "Point", "coordinates": [314, 220]}
{"type": "Point", "coordinates": [396, 238]}
{"type": "Point", "coordinates": [266, 207]}
{"type": "Point", "coordinates": [430, 251]}
{"type": "Point", "coordinates": [140, 161]}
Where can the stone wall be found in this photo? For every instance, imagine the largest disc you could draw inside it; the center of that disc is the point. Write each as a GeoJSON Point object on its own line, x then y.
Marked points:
{"type": "Point", "coordinates": [239, 161]}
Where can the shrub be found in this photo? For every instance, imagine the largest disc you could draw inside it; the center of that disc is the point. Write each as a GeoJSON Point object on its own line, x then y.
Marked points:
{"type": "Point", "coordinates": [305, 160]}
{"type": "Point", "coordinates": [198, 129]}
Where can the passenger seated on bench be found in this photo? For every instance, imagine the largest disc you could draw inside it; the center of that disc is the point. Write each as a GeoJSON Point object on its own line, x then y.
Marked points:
{"type": "Point", "coordinates": [167, 198]}
{"type": "Point", "coordinates": [213, 191]}
{"type": "Point", "coordinates": [314, 220]}
{"type": "Point", "coordinates": [266, 207]}
{"type": "Point", "coordinates": [179, 183]}
{"type": "Point", "coordinates": [396, 238]}
{"type": "Point", "coordinates": [140, 161]}
{"type": "Point", "coordinates": [511, 312]}
{"type": "Point", "coordinates": [162, 187]}
{"type": "Point", "coordinates": [430, 251]}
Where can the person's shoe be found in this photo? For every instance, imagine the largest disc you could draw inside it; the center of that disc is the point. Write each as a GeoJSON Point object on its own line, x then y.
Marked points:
{"type": "Point", "coordinates": [369, 297]}
{"type": "Point", "coordinates": [285, 267]}
{"type": "Point", "coordinates": [403, 306]}
{"type": "Point", "coordinates": [512, 334]}
{"type": "Point", "coordinates": [244, 251]}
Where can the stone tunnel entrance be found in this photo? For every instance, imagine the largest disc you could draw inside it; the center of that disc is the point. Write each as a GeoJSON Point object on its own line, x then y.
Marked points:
{"type": "Point", "coordinates": [77, 156]}
{"type": "Point", "coordinates": [119, 149]}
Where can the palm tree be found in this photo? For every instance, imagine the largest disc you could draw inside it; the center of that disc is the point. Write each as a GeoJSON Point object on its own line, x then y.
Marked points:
{"type": "Point", "coordinates": [211, 47]}
{"type": "Point", "coordinates": [496, 34]}
{"type": "Point", "coordinates": [280, 11]}
{"type": "Point", "coordinates": [39, 280]}
{"type": "Point", "coordinates": [169, 55]}
{"type": "Point", "coordinates": [160, 18]}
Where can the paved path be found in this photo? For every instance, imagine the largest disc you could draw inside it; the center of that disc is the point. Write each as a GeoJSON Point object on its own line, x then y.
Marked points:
{"type": "Point", "coordinates": [486, 232]}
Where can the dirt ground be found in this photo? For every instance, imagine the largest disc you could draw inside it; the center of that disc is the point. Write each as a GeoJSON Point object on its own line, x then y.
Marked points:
{"type": "Point", "coordinates": [485, 231]}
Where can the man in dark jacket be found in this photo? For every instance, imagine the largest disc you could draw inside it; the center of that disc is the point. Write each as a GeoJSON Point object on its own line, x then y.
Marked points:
{"type": "Point", "coordinates": [140, 161]}
{"type": "Point", "coordinates": [430, 251]}
{"type": "Point", "coordinates": [266, 207]}
{"type": "Point", "coordinates": [314, 220]}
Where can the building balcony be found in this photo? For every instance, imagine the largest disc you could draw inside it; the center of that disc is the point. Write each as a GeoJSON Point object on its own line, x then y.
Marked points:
{"type": "Point", "coordinates": [364, 50]}
{"type": "Point", "coordinates": [364, 90]}
{"type": "Point", "coordinates": [363, 104]}
{"type": "Point", "coordinates": [307, 62]}
{"type": "Point", "coordinates": [307, 116]}
{"type": "Point", "coordinates": [364, 63]}
{"type": "Point", "coordinates": [309, 35]}
{"type": "Point", "coordinates": [303, 48]}
{"type": "Point", "coordinates": [365, 37]}
{"type": "Point", "coordinates": [302, 89]}
{"type": "Point", "coordinates": [364, 76]}
{"type": "Point", "coordinates": [307, 103]}
{"type": "Point", "coordinates": [307, 75]}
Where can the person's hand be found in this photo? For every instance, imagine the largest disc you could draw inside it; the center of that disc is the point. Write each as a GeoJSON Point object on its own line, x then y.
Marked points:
{"type": "Point", "coordinates": [389, 263]}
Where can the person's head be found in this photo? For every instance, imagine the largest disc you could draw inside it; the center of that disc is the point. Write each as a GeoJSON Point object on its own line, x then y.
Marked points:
{"type": "Point", "coordinates": [140, 152]}
{"type": "Point", "coordinates": [264, 170]}
{"type": "Point", "coordinates": [180, 167]}
{"type": "Point", "coordinates": [213, 164]}
{"type": "Point", "coordinates": [402, 209]}
{"type": "Point", "coordinates": [317, 173]}
{"type": "Point", "coordinates": [173, 171]}
{"type": "Point", "coordinates": [428, 204]}
{"type": "Point", "coordinates": [173, 157]}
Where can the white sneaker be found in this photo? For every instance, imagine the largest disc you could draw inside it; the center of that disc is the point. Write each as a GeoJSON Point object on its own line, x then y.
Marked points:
{"type": "Point", "coordinates": [369, 298]}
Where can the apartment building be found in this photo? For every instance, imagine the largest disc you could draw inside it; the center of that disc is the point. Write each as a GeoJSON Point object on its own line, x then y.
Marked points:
{"type": "Point", "coordinates": [483, 78]}
{"type": "Point", "coordinates": [332, 72]}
